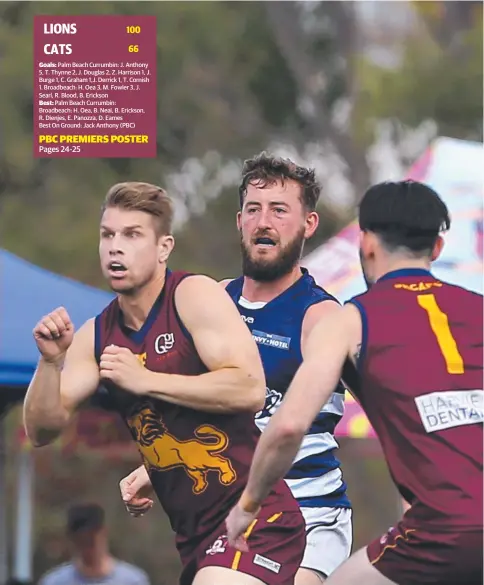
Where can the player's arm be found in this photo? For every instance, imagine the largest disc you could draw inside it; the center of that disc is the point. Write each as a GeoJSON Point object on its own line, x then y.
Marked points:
{"type": "Point", "coordinates": [235, 381]}
{"type": "Point", "coordinates": [316, 313]}
{"type": "Point", "coordinates": [326, 350]}
{"type": "Point", "coordinates": [59, 386]}
{"type": "Point", "coordinates": [225, 282]}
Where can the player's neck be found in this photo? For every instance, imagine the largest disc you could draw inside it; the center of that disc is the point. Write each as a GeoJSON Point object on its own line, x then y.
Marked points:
{"type": "Point", "coordinates": [393, 264]}
{"type": "Point", "coordinates": [98, 568]}
{"type": "Point", "coordinates": [137, 307]}
{"type": "Point", "coordinates": [258, 291]}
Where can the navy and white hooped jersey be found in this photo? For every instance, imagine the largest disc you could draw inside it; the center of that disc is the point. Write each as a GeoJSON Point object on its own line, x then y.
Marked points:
{"type": "Point", "coordinates": [315, 478]}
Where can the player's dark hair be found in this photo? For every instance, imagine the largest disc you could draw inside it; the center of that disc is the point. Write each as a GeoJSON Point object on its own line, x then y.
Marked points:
{"type": "Point", "coordinates": [85, 517]}
{"type": "Point", "coordinates": [264, 170]}
{"type": "Point", "coordinates": [137, 196]}
{"type": "Point", "coordinates": [404, 214]}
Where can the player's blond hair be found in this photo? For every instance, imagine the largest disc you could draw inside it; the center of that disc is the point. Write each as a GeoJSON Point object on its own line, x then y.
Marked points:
{"type": "Point", "coordinates": [137, 196]}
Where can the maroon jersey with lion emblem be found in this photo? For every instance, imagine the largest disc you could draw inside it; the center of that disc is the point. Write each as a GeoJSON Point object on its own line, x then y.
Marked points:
{"type": "Point", "coordinates": [421, 372]}
{"type": "Point", "coordinates": [198, 462]}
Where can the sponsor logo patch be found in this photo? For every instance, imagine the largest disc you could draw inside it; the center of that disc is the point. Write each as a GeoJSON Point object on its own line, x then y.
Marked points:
{"type": "Point", "coordinates": [277, 341]}
{"type": "Point", "coordinates": [267, 563]}
{"type": "Point", "coordinates": [444, 410]}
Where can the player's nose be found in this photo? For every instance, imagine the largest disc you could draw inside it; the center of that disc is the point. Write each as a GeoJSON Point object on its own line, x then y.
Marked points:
{"type": "Point", "coordinates": [116, 245]}
{"type": "Point", "coordinates": [264, 220]}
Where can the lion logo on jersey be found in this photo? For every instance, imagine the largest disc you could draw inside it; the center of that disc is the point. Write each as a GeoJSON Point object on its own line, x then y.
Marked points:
{"type": "Point", "coordinates": [162, 451]}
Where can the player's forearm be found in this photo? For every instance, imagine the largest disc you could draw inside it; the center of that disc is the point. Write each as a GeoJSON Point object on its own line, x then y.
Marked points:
{"type": "Point", "coordinates": [43, 413]}
{"type": "Point", "coordinates": [274, 456]}
{"type": "Point", "coordinates": [227, 390]}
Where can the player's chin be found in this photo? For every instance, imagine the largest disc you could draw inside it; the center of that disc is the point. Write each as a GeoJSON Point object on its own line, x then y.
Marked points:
{"type": "Point", "coordinates": [120, 285]}
{"type": "Point", "coordinates": [261, 252]}
{"type": "Point", "coordinates": [266, 257]}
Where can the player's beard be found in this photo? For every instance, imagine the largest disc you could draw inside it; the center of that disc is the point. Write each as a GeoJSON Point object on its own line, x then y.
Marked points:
{"type": "Point", "coordinates": [263, 270]}
{"type": "Point", "coordinates": [369, 282]}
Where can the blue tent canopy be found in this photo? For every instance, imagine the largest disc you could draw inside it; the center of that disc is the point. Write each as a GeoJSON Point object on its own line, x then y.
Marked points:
{"type": "Point", "coordinates": [28, 292]}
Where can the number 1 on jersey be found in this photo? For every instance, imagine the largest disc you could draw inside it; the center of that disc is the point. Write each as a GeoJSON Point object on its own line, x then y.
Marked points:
{"type": "Point", "coordinates": [440, 326]}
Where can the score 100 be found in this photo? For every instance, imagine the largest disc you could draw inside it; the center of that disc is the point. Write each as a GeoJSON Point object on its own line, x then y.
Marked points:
{"type": "Point", "coordinates": [133, 30]}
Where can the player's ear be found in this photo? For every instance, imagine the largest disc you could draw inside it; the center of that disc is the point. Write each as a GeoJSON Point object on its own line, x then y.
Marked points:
{"type": "Point", "coordinates": [438, 247]}
{"type": "Point", "coordinates": [367, 243]}
{"type": "Point", "coordinates": [165, 247]}
{"type": "Point", "coordinates": [312, 222]}
{"type": "Point", "coordinates": [239, 219]}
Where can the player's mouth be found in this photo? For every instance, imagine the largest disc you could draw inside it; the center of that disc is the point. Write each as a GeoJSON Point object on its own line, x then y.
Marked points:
{"type": "Point", "coordinates": [264, 243]}
{"type": "Point", "coordinates": [117, 269]}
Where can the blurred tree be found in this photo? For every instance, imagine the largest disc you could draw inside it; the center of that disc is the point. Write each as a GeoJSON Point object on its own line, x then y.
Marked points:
{"type": "Point", "coordinates": [439, 78]}
{"type": "Point", "coordinates": [448, 22]}
{"type": "Point", "coordinates": [319, 42]}
{"type": "Point", "coordinates": [234, 77]}
{"type": "Point", "coordinates": [219, 69]}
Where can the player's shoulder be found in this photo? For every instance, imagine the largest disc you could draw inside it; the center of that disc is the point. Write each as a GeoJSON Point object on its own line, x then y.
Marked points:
{"type": "Point", "coordinates": [314, 291]}
{"type": "Point", "coordinates": [225, 282]}
{"type": "Point", "coordinates": [197, 283]}
{"type": "Point", "coordinates": [128, 574]}
{"type": "Point", "coordinates": [462, 303]}
{"type": "Point", "coordinates": [88, 325]}
{"type": "Point", "coordinates": [319, 303]}
{"type": "Point", "coordinates": [320, 311]}
{"type": "Point", "coordinates": [200, 293]}
{"type": "Point", "coordinates": [107, 313]}
{"type": "Point", "coordinates": [462, 291]}
{"type": "Point", "coordinates": [59, 575]}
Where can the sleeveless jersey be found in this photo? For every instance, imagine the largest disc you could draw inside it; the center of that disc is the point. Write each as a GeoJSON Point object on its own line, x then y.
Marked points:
{"type": "Point", "coordinates": [198, 462]}
{"type": "Point", "coordinates": [315, 478]}
{"type": "Point", "coordinates": [421, 374]}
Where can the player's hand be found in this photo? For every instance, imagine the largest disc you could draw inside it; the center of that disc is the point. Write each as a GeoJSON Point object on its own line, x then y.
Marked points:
{"type": "Point", "coordinates": [237, 523]}
{"type": "Point", "coordinates": [53, 335]}
{"type": "Point", "coordinates": [135, 491]}
{"type": "Point", "coordinates": [122, 367]}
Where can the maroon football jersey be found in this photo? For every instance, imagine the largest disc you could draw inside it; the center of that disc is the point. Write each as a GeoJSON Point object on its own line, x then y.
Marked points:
{"type": "Point", "coordinates": [198, 462]}
{"type": "Point", "coordinates": [421, 373]}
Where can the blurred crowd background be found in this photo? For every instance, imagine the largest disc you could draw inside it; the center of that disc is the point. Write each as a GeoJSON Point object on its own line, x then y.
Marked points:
{"type": "Point", "coordinates": [357, 90]}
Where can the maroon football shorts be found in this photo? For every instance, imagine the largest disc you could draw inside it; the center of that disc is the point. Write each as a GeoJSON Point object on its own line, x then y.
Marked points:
{"type": "Point", "coordinates": [276, 548]}
{"type": "Point", "coordinates": [417, 556]}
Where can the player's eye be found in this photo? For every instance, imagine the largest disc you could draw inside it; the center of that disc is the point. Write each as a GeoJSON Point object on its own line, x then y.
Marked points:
{"type": "Point", "coordinates": [106, 235]}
